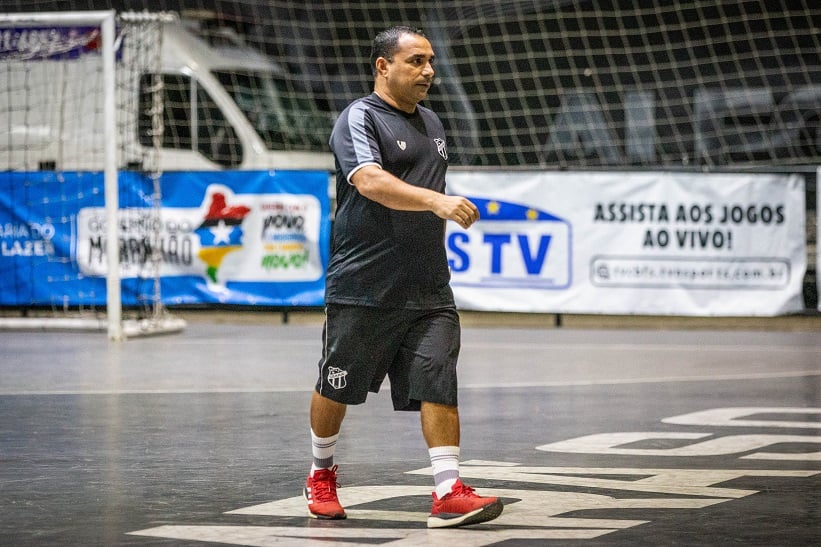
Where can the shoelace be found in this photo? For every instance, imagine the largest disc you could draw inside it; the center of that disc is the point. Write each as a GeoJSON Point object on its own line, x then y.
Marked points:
{"type": "Point", "coordinates": [324, 489]}
{"type": "Point", "coordinates": [461, 490]}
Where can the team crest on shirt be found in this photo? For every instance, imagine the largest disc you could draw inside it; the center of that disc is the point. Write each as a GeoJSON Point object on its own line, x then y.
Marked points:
{"type": "Point", "coordinates": [440, 146]}
{"type": "Point", "coordinates": [336, 377]}
{"type": "Point", "coordinates": [401, 144]}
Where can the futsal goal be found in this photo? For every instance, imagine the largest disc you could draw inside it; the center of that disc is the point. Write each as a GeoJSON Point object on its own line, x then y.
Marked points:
{"type": "Point", "coordinates": [67, 82]}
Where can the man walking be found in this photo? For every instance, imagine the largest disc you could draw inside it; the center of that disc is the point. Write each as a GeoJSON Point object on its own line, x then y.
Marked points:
{"type": "Point", "coordinates": [389, 306]}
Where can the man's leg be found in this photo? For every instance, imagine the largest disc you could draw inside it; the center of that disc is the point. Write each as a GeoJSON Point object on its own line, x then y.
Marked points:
{"type": "Point", "coordinates": [454, 503]}
{"type": "Point", "coordinates": [326, 415]}
{"type": "Point", "coordinates": [440, 427]}
{"type": "Point", "coordinates": [320, 489]}
{"type": "Point", "coordinates": [326, 420]}
{"type": "Point", "coordinates": [440, 424]}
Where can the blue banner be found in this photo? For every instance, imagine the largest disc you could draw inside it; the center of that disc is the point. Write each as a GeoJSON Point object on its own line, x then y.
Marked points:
{"type": "Point", "coordinates": [239, 237]}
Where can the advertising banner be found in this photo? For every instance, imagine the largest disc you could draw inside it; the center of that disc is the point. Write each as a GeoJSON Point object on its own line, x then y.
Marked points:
{"type": "Point", "coordinates": [630, 243]}
{"type": "Point", "coordinates": [221, 237]}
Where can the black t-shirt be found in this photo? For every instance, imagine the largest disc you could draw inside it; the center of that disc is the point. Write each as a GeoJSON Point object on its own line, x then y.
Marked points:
{"type": "Point", "coordinates": [380, 256]}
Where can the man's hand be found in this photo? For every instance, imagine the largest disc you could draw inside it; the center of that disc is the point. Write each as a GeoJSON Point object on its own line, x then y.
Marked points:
{"type": "Point", "coordinates": [456, 208]}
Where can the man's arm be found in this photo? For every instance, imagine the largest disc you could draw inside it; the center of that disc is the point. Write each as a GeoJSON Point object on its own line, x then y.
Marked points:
{"type": "Point", "coordinates": [380, 186]}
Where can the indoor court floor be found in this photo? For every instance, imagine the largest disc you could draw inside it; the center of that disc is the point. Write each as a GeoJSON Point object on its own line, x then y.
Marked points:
{"type": "Point", "coordinates": [591, 436]}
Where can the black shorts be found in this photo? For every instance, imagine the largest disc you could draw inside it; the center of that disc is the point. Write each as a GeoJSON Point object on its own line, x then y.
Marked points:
{"type": "Point", "coordinates": [416, 349]}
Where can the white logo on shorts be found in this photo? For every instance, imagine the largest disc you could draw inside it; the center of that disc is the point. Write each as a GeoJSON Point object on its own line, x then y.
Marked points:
{"type": "Point", "coordinates": [336, 377]}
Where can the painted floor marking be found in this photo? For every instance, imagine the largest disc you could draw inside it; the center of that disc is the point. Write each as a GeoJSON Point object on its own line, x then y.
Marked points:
{"type": "Point", "coordinates": [529, 514]}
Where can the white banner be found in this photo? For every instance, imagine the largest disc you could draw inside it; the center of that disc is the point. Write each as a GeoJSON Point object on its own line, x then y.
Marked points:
{"type": "Point", "coordinates": [273, 238]}
{"type": "Point", "coordinates": [630, 243]}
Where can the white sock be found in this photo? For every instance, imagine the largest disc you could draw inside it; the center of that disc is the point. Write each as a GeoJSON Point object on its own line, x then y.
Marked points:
{"type": "Point", "coordinates": [323, 449]}
{"type": "Point", "coordinates": [445, 463]}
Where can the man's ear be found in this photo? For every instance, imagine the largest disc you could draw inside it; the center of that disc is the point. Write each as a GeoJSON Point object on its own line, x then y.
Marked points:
{"type": "Point", "coordinates": [381, 65]}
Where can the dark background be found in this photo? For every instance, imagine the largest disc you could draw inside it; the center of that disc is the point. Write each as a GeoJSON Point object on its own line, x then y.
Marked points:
{"type": "Point", "coordinates": [505, 67]}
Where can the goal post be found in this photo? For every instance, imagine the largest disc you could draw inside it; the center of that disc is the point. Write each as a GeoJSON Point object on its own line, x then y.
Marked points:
{"type": "Point", "coordinates": [61, 110]}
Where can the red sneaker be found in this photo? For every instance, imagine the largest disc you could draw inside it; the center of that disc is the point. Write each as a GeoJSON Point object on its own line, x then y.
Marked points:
{"type": "Point", "coordinates": [320, 493]}
{"type": "Point", "coordinates": [462, 507]}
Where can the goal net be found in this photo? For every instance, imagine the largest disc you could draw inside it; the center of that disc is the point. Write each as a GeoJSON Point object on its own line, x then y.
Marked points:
{"type": "Point", "coordinates": [697, 84]}
{"type": "Point", "coordinates": [71, 185]}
